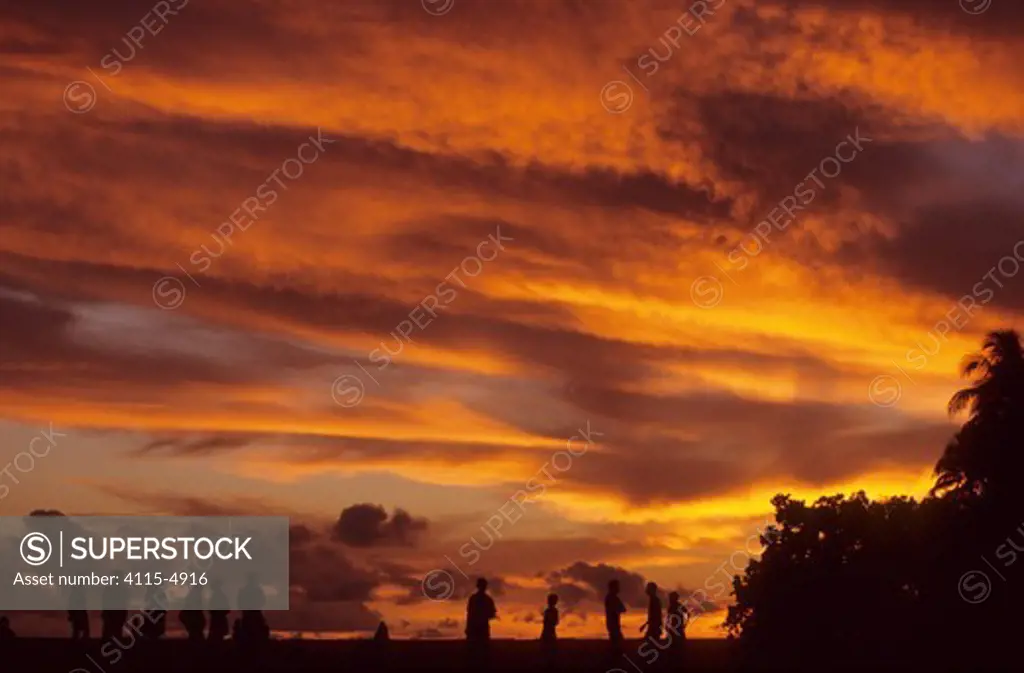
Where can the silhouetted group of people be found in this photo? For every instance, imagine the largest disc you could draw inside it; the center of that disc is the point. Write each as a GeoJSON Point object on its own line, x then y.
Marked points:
{"type": "Point", "coordinates": [251, 627]}
{"type": "Point", "coordinates": [655, 628]}
{"type": "Point", "coordinates": [194, 621]}
{"type": "Point", "coordinates": [480, 610]}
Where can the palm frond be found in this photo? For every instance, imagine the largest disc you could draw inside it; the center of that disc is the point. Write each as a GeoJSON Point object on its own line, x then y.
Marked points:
{"type": "Point", "coordinates": [961, 400]}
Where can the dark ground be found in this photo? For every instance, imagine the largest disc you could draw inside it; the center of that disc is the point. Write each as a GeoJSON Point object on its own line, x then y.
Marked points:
{"type": "Point", "coordinates": [522, 656]}
{"type": "Point", "coordinates": [28, 655]}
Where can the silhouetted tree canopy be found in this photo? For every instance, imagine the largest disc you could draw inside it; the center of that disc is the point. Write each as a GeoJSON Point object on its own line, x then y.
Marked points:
{"type": "Point", "coordinates": [847, 578]}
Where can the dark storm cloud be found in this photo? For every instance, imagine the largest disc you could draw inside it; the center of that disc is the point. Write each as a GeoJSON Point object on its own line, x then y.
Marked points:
{"type": "Point", "coordinates": [953, 203]}
{"type": "Point", "coordinates": [595, 578]}
{"type": "Point", "coordinates": [955, 206]}
{"type": "Point", "coordinates": [571, 595]}
{"type": "Point", "coordinates": [237, 156]}
{"type": "Point", "coordinates": [178, 29]}
{"type": "Point", "coordinates": [42, 346]}
{"type": "Point", "coordinates": [812, 442]}
{"type": "Point", "coordinates": [966, 249]}
{"type": "Point", "coordinates": [496, 586]}
{"type": "Point", "coordinates": [179, 504]}
{"type": "Point", "coordinates": [38, 343]}
{"type": "Point", "coordinates": [326, 575]}
{"type": "Point", "coordinates": [200, 445]}
{"type": "Point", "coordinates": [497, 176]}
{"type": "Point", "coordinates": [413, 582]}
{"type": "Point", "coordinates": [367, 525]}
{"type": "Point", "coordinates": [300, 535]}
{"type": "Point", "coordinates": [1000, 19]}
{"type": "Point", "coordinates": [771, 143]}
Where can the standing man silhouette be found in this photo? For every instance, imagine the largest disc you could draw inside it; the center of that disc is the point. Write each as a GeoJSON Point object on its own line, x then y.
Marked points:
{"type": "Point", "coordinates": [192, 617]}
{"type": "Point", "coordinates": [77, 615]}
{"type": "Point", "coordinates": [549, 636]}
{"type": "Point", "coordinates": [219, 626]}
{"type": "Point", "coordinates": [253, 627]}
{"type": "Point", "coordinates": [114, 615]}
{"type": "Point", "coordinates": [613, 609]}
{"type": "Point", "coordinates": [155, 612]}
{"type": "Point", "coordinates": [654, 619]}
{"type": "Point", "coordinates": [480, 610]}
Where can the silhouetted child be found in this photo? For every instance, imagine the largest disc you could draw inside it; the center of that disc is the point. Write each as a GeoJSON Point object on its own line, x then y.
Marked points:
{"type": "Point", "coordinates": [676, 618]}
{"type": "Point", "coordinates": [6, 632]}
{"type": "Point", "coordinates": [480, 610]}
{"type": "Point", "coordinates": [381, 644]}
{"type": "Point", "coordinates": [613, 609]}
{"type": "Point", "coordinates": [654, 622]}
{"type": "Point", "coordinates": [548, 636]}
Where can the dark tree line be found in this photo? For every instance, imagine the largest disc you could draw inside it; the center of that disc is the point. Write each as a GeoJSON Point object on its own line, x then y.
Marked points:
{"type": "Point", "coordinates": [937, 582]}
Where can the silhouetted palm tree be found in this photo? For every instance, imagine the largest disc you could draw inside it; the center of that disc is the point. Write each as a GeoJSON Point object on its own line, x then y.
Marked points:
{"type": "Point", "coordinates": [986, 451]}
{"type": "Point", "coordinates": [999, 368]}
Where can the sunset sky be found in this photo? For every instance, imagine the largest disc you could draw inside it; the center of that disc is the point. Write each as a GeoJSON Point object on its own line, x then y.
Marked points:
{"type": "Point", "coordinates": [599, 174]}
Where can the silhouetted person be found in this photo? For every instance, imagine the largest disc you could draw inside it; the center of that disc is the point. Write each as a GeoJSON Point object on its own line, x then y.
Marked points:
{"type": "Point", "coordinates": [78, 616]}
{"type": "Point", "coordinates": [480, 610]}
{"type": "Point", "coordinates": [79, 620]}
{"type": "Point", "coordinates": [676, 617]}
{"type": "Point", "coordinates": [6, 632]}
{"type": "Point", "coordinates": [218, 615]}
{"type": "Point", "coordinates": [236, 629]}
{"type": "Point", "coordinates": [380, 647]}
{"type": "Point", "coordinates": [548, 635]}
{"type": "Point", "coordinates": [652, 628]}
{"type": "Point", "coordinates": [113, 623]}
{"type": "Point", "coordinates": [251, 596]}
{"type": "Point", "coordinates": [155, 625]}
{"type": "Point", "coordinates": [252, 628]}
{"type": "Point", "coordinates": [613, 609]}
{"type": "Point", "coordinates": [192, 617]}
{"type": "Point", "coordinates": [114, 615]}
{"type": "Point", "coordinates": [155, 613]}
